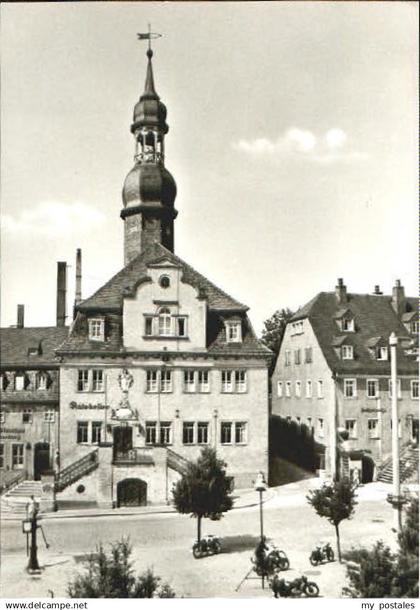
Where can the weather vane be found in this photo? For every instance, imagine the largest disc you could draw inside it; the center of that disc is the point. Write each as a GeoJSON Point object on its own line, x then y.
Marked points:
{"type": "Point", "coordinates": [149, 36]}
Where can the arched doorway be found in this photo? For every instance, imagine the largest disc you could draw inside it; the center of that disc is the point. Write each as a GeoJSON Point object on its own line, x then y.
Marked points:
{"type": "Point", "coordinates": [41, 459]}
{"type": "Point", "coordinates": [131, 492]}
{"type": "Point", "coordinates": [368, 469]}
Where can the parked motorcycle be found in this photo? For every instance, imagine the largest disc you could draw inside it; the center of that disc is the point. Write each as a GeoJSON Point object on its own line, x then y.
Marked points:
{"type": "Point", "coordinates": [293, 588]}
{"type": "Point", "coordinates": [273, 561]}
{"type": "Point", "coordinates": [208, 545]}
{"type": "Point", "coordinates": [321, 553]}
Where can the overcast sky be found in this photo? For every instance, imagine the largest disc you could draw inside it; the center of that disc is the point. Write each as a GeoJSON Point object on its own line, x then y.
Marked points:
{"type": "Point", "coordinates": [292, 141]}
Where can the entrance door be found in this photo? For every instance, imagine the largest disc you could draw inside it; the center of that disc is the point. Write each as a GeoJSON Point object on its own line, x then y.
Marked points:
{"type": "Point", "coordinates": [123, 441]}
{"type": "Point", "coordinates": [132, 492]}
{"type": "Point", "coordinates": [41, 459]}
{"type": "Point", "coordinates": [415, 430]}
{"type": "Point", "coordinates": [368, 469]}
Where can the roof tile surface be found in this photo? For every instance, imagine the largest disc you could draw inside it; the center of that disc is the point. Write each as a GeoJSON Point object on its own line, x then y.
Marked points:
{"type": "Point", "coordinates": [374, 318]}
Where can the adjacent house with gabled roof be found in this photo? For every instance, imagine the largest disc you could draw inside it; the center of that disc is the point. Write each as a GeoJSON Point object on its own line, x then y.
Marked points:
{"type": "Point", "coordinates": [29, 398]}
{"type": "Point", "coordinates": [333, 373]}
{"type": "Point", "coordinates": [159, 362]}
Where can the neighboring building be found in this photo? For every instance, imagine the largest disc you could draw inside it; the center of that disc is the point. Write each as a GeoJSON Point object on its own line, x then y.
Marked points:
{"type": "Point", "coordinates": [29, 397]}
{"type": "Point", "coordinates": [333, 373]}
{"type": "Point", "coordinates": [159, 362]}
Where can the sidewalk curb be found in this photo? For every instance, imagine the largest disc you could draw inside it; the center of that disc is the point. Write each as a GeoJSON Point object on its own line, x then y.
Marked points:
{"type": "Point", "coordinates": [157, 511]}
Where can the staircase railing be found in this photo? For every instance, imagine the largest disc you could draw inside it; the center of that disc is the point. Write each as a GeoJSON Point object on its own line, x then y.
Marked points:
{"type": "Point", "coordinates": [408, 461]}
{"type": "Point", "coordinates": [177, 462]}
{"type": "Point", "coordinates": [10, 479]}
{"type": "Point", "coordinates": [76, 470]}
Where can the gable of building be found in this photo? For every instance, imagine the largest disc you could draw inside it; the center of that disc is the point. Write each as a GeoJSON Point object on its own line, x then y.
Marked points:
{"type": "Point", "coordinates": [117, 297]}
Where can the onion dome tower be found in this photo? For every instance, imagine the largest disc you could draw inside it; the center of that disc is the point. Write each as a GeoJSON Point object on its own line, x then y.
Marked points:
{"type": "Point", "coordinates": [149, 189]}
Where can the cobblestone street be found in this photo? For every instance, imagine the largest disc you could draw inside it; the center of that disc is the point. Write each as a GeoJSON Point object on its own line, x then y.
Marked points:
{"type": "Point", "coordinates": [164, 543]}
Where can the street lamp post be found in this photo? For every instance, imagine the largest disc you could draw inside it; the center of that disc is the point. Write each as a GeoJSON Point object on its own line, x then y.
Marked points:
{"type": "Point", "coordinates": [395, 498]}
{"type": "Point", "coordinates": [261, 487]}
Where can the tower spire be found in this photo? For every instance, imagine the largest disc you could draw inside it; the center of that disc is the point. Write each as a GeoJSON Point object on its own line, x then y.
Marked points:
{"type": "Point", "coordinates": [149, 86]}
{"type": "Point", "coordinates": [149, 190]}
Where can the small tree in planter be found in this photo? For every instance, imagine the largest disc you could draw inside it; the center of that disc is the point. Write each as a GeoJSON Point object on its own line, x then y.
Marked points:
{"type": "Point", "coordinates": [335, 502]}
{"type": "Point", "coordinates": [204, 490]}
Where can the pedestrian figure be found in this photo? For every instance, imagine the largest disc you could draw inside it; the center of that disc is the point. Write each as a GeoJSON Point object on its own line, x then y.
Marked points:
{"type": "Point", "coordinates": [57, 459]}
{"type": "Point", "coordinates": [355, 477]}
{"type": "Point", "coordinates": [261, 553]}
{"type": "Point", "coordinates": [32, 508]}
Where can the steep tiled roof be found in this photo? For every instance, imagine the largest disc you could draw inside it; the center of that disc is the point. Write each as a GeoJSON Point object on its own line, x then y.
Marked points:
{"type": "Point", "coordinates": [375, 319]}
{"type": "Point", "coordinates": [109, 296]}
{"type": "Point", "coordinates": [17, 342]}
{"type": "Point", "coordinates": [216, 335]}
{"type": "Point", "coordinates": [109, 299]}
{"type": "Point", "coordinates": [78, 338]}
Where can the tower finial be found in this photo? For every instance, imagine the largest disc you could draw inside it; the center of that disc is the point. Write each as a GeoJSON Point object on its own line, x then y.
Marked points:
{"type": "Point", "coordinates": [149, 36]}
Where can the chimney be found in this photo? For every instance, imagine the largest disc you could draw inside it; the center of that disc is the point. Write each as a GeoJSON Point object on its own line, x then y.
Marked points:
{"type": "Point", "coordinates": [78, 295]}
{"type": "Point", "coordinates": [398, 298]}
{"type": "Point", "coordinates": [377, 290]}
{"type": "Point", "coordinates": [20, 316]}
{"type": "Point", "coordinates": [61, 293]}
{"type": "Point", "coordinates": [341, 292]}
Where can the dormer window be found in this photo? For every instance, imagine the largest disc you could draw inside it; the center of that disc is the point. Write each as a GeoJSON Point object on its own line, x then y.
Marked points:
{"type": "Point", "coordinates": [347, 325]}
{"type": "Point", "coordinates": [41, 381]}
{"type": "Point", "coordinates": [96, 329]}
{"type": "Point", "coordinates": [297, 327]}
{"type": "Point", "coordinates": [347, 352]}
{"type": "Point", "coordinates": [414, 327]}
{"type": "Point", "coordinates": [33, 350]}
{"type": "Point", "coordinates": [345, 320]}
{"type": "Point", "coordinates": [19, 382]}
{"type": "Point", "coordinates": [381, 353]}
{"type": "Point", "coordinates": [233, 331]}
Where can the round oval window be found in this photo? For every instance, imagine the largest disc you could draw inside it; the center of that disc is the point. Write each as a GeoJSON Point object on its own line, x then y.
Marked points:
{"type": "Point", "coordinates": [164, 281]}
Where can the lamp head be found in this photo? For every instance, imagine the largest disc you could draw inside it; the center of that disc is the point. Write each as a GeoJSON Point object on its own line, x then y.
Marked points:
{"type": "Point", "coordinates": [260, 482]}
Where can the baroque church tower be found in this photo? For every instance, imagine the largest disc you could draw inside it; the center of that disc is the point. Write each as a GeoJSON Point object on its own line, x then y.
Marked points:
{"type": "Point", "coordinates": [149, 189]}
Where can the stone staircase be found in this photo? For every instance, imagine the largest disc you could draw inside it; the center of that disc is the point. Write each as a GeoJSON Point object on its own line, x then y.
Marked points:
{"type": "Point", "coordinates": [15, 499]}
{"type": "Point", "coordinates": [75, 471]}
{"type": "Point", "coordinates": [409, 466]}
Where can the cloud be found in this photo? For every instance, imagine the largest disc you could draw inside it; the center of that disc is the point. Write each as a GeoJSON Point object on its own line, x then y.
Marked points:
{"type": "Point", "coordinates": [335, 138]}
{"type": "Point", "coordinates": [51, 218]}
{"type": "Point", "coordinates": [302, 144]}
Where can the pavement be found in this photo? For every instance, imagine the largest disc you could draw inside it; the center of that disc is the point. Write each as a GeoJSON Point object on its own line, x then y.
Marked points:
{"type": "Point", "coordinates": [284, 495]}
{"type": "Point", "coordinates": [162, 540]}
{"type": "Point", "coordinates": [243, 498]}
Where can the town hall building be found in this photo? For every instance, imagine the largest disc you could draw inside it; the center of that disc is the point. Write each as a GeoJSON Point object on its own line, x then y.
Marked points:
{"type": "Point", "coordinates": [159, 362]}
